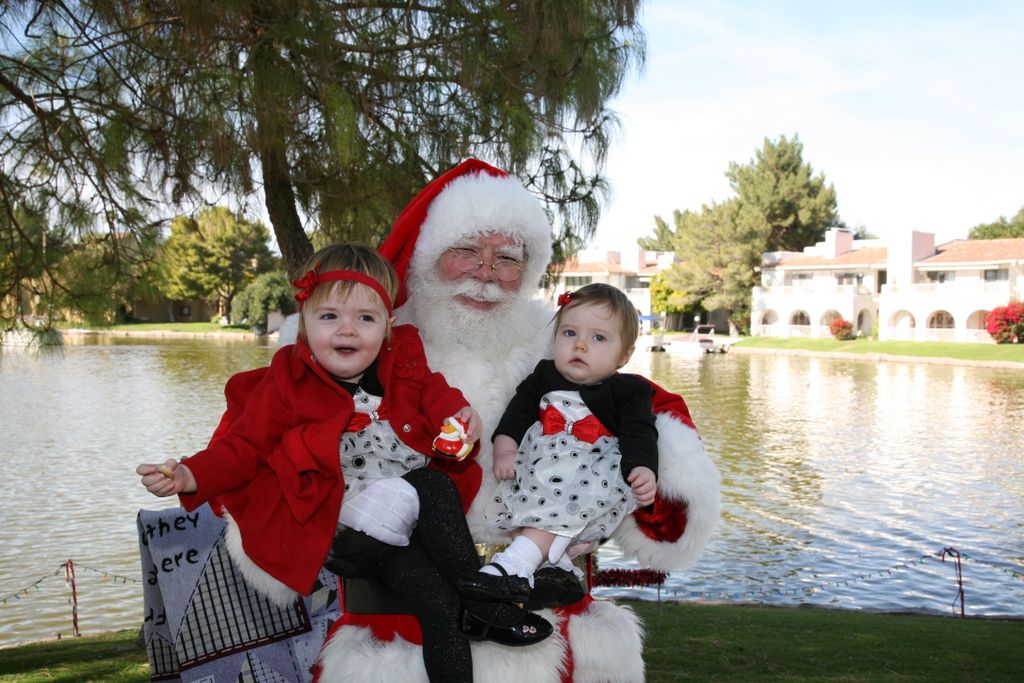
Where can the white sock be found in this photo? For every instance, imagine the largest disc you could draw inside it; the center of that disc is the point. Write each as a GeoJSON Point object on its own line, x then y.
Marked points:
{"type": "Point", "coordinates": [557, 548]}
{"type": "Point", "coordinates": [520, 558]}
{"type": "Point", "coordinates": [564, 563]}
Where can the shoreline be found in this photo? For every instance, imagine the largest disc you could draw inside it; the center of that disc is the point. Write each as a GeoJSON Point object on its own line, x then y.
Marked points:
{"type": "Point", "coordinates": [739, 348]}
{"type": "Point", "coordinates": [716, 604]}
{"type": "Point", "coordinates": [874, 356]}
{"type": "Point", "coordinates": [82, 332]}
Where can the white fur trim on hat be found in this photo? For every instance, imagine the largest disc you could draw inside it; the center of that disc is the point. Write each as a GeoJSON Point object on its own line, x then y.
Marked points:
{"type": "Point", "coordinates": [479, 203]}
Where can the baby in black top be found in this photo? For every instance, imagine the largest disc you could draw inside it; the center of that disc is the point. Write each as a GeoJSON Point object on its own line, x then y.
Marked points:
{"type": "Point", "coordinates": [576, 449]}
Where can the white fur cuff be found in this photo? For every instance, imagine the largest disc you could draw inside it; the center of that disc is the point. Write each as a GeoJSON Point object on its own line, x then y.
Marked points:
{"type": "Point", "coordinates": [685, 473]}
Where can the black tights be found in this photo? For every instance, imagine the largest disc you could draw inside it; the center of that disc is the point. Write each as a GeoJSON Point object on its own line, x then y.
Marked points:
{"type": "Point", "coordinates": [424, 572]}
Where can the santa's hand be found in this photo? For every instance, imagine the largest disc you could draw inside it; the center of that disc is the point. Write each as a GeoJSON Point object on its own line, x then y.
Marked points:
{"type": "Point", "coordinates": [168, 479]}
{"type": "Point", "coordinates": [504, 456]}
{"type": "Point", "coordinates": [471, 419]}
{"type": "Point", "coordinates": [386, 510]}
{"type": "Point", "coordinates": [644, 484]}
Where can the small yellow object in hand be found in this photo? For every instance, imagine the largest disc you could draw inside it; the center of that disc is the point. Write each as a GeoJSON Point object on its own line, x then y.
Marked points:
{"type": "Point", "coordinates": [166, 471]}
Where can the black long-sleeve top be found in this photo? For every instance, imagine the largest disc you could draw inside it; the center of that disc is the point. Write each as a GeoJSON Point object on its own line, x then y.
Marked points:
{"type": "Point", "coordinates": [622, 403]}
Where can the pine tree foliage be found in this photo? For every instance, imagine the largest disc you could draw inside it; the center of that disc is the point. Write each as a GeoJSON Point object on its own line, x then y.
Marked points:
{"type": "Point", "coordinates": [779, 205]}
{"type": "Point", "coordinates": [717, 250]}
{"type": "Point", "coordinates": [662, 240]}
{"type": "Point", "coordinates": [117, 113]}
{"type": "Point", "coordinates": [782, 197]}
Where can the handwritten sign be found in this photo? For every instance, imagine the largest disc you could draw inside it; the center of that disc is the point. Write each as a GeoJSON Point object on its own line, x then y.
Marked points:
{"type": "Point", "coordinates": [191, 583]}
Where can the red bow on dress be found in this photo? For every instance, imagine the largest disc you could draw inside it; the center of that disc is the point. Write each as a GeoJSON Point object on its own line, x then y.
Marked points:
{"type": "Point", "coordinates": [588, 429]}
{"type": "Point", "coordinates": [361, 421]}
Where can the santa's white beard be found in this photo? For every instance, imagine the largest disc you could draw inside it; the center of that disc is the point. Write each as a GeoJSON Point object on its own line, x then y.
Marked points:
{"type": "Point", "coordinates": [444, 321]}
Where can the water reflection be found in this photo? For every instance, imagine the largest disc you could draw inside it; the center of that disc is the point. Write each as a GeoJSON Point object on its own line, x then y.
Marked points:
{"type": "Point", "coordinates": [838, 477]}
{"type": "Point", "coordinates": [75, 424]}
{"type": "Point", "coordinates": [843, 480]}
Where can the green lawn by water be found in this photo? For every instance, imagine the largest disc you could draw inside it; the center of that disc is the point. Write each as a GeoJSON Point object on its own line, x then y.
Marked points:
{"type": "Point", "coordinates": [197, 328]}
{"type": "Point", "coordinates": [684, 642]}
{"type": "Point", "coordinates": [1013, 353]}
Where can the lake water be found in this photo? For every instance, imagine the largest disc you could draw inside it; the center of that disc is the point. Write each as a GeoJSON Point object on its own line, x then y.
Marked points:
{"type": "Point", "coordinates": [843, 481]}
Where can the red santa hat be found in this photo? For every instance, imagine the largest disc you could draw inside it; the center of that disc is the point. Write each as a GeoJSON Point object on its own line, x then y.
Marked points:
{"type": "Point", "coordinates": [471, 199]}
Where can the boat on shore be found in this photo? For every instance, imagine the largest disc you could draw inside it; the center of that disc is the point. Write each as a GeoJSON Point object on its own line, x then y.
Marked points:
{"type": "Point", "coordinates": [699, 342]}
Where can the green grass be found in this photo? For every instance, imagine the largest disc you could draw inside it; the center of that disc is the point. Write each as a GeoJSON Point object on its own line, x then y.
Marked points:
{"type": "Point", "coordinates": [195, 328]}
{"type": "Point", "coordinates": [684, 643]}
{"type": "Point", "coordinates": [741, 643]}
{"type": "Point", "coordinates": [961, 351]}
{"type": "Point", "coordinates": [114, 657]}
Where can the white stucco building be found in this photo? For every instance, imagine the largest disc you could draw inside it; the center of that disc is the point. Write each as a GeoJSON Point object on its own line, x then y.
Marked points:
{"type": "Point", "coordinates": [914, 289]}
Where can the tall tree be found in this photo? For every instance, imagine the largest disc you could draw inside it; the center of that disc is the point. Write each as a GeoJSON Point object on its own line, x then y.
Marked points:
{"type": "Point", "coordinates": [781, 196]}
{"type": "Point", "coordinates": [718, 249]}
{"type": "Point", "coordinates": [779, 205]}
{"type": "Point", "coordinates": [1001, 228]}
{"type": "Point", "coordinates": [335, 112]}
{"type": "Point", "coordinates": [214, 256]}
{"type": "Point", "coordinates": [662, 240]}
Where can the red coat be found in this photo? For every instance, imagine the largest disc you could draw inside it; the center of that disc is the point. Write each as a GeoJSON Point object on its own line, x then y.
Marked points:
{"type": "Point", "coordinates": [274, 461]}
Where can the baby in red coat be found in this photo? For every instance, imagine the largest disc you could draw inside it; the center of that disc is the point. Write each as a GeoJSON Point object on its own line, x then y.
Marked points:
{"type": "Point", "coordinates": [324, 459]}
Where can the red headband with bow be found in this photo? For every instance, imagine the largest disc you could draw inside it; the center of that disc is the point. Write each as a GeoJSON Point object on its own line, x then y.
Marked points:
{"type": "Point", "coordinates": [308, 282]}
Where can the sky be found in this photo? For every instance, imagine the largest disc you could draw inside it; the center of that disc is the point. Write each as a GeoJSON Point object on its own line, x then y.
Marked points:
{"type": "Point", "coordinates": [913, 111]}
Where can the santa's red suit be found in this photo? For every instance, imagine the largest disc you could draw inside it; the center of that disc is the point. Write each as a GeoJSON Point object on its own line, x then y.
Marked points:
{"type": "Point", "coordinates": [486, 353]}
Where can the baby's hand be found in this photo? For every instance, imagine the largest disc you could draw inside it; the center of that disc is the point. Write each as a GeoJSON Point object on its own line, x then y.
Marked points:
{"type": "Point", "coordinates": [644, 484]}
{"type": "Point", "coordinates": [473, 424]}
{"type": "Point", "coordinates": [504, 456]}
{"type": "Point", "coordinates": [168, 479]}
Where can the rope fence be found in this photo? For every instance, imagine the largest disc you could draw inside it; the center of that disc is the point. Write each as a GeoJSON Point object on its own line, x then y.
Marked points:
{"type": "Point", "coordinates": [68, 569]}
{"type": "Point", "coordinates": [648, 577]}
{"type": "Point", "coordinates": [605, 577]}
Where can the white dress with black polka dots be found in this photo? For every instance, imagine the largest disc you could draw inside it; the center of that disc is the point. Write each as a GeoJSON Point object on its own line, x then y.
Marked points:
{"type": "Point", "coordinates": [563, 485]}
{"type": "Point", "coordinates": [374, 452]}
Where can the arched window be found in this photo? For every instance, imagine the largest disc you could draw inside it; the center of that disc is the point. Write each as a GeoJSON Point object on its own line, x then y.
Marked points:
{"type": "Point", "coordinates": [940, 320]}
{"type": "Point", "coordinates": [800, 318]}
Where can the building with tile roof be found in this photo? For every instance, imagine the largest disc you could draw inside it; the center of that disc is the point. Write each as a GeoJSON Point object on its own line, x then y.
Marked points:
{"type": "Point", "coordinates": [630, 271]}
{"type": "Point", "coordinates": [911, 288]}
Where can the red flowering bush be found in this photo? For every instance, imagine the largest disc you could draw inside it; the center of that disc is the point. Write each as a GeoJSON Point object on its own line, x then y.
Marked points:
{"type": "Point", "coordinates": [1006, 323]}
{"type": "Point", "coordinates": [841, 329]}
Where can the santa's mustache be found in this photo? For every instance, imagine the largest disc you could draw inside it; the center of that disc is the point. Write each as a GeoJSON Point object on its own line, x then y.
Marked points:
{"type": "Point", "coordinates": [488, 292]}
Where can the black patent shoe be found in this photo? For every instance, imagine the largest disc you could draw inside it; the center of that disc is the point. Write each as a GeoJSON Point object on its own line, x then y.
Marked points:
{"type": "Point", "coordinates": [503, 624]}
{"type": "Point", "coordinates": [553, 587]}
{"type": "Point", "coordinates": [504, 588]}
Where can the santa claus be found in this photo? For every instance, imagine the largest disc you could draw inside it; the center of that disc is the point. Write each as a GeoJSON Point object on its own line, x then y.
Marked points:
{"type": "Point", "coordinates": [470, 250]}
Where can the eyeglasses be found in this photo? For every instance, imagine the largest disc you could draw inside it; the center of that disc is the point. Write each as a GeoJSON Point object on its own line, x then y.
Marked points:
{"type": "Point", "coordinates": [468, 261]}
